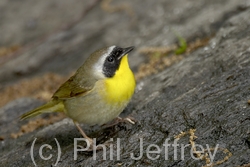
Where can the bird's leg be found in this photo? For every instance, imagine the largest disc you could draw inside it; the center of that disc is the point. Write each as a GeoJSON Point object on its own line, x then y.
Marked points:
{"type": "Point", "coordinates": [92, 147]}
{"type": "Point", "coordinates": [83, 133]}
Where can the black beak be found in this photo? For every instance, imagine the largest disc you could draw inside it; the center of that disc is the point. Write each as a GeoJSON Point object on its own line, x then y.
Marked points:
{"type": "Point", "coordinates": [126, 51]}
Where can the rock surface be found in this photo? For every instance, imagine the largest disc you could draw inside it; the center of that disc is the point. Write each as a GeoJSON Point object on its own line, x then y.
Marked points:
{"type": "Point", "coordinates": [207, 91]}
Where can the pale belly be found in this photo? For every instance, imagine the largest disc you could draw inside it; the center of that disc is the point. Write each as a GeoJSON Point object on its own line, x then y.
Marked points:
{"type": "Point", "coordinates": [92, 109]}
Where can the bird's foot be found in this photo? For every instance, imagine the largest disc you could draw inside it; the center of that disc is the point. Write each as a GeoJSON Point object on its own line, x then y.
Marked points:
{"type": "Point", "coordinates": [118, 120]}
{"type": "Point", "coordinates": [128, 119]}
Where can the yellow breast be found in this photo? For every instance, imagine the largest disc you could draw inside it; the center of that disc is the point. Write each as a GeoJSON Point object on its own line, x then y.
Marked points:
{"type": "Point", "coordinates": [121, 86]}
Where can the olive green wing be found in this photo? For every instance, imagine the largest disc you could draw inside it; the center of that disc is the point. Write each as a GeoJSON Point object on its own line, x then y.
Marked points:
{"type": "Point", "coordinates": [71, 88]}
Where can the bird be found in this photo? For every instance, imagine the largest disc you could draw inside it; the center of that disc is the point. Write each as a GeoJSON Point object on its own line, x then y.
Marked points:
{"type": "Point", "coordinates": [98, 91]}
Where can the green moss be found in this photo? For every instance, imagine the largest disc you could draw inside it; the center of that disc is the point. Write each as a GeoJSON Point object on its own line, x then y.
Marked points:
{"type": "Point", "coordinates": [182, 45]}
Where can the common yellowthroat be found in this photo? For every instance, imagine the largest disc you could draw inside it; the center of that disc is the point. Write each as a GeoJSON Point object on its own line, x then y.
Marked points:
{"type": "Point", "coordinates": [97, 93]}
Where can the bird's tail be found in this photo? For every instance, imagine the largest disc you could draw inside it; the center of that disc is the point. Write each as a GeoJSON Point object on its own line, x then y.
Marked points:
{"type": "Point", "coordinates": [51, 106]}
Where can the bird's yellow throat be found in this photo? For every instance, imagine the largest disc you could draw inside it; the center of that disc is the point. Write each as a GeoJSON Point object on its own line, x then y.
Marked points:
{"type": "Point", "coordinates": [120, 88]}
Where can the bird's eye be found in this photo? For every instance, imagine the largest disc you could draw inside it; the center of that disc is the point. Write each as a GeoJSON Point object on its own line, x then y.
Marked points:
{"type": "Point", "coordinates": [110, 59]}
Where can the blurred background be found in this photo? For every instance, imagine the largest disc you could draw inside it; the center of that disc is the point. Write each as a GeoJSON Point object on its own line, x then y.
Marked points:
{"type": "Point", "coordinates": [42, 43]}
